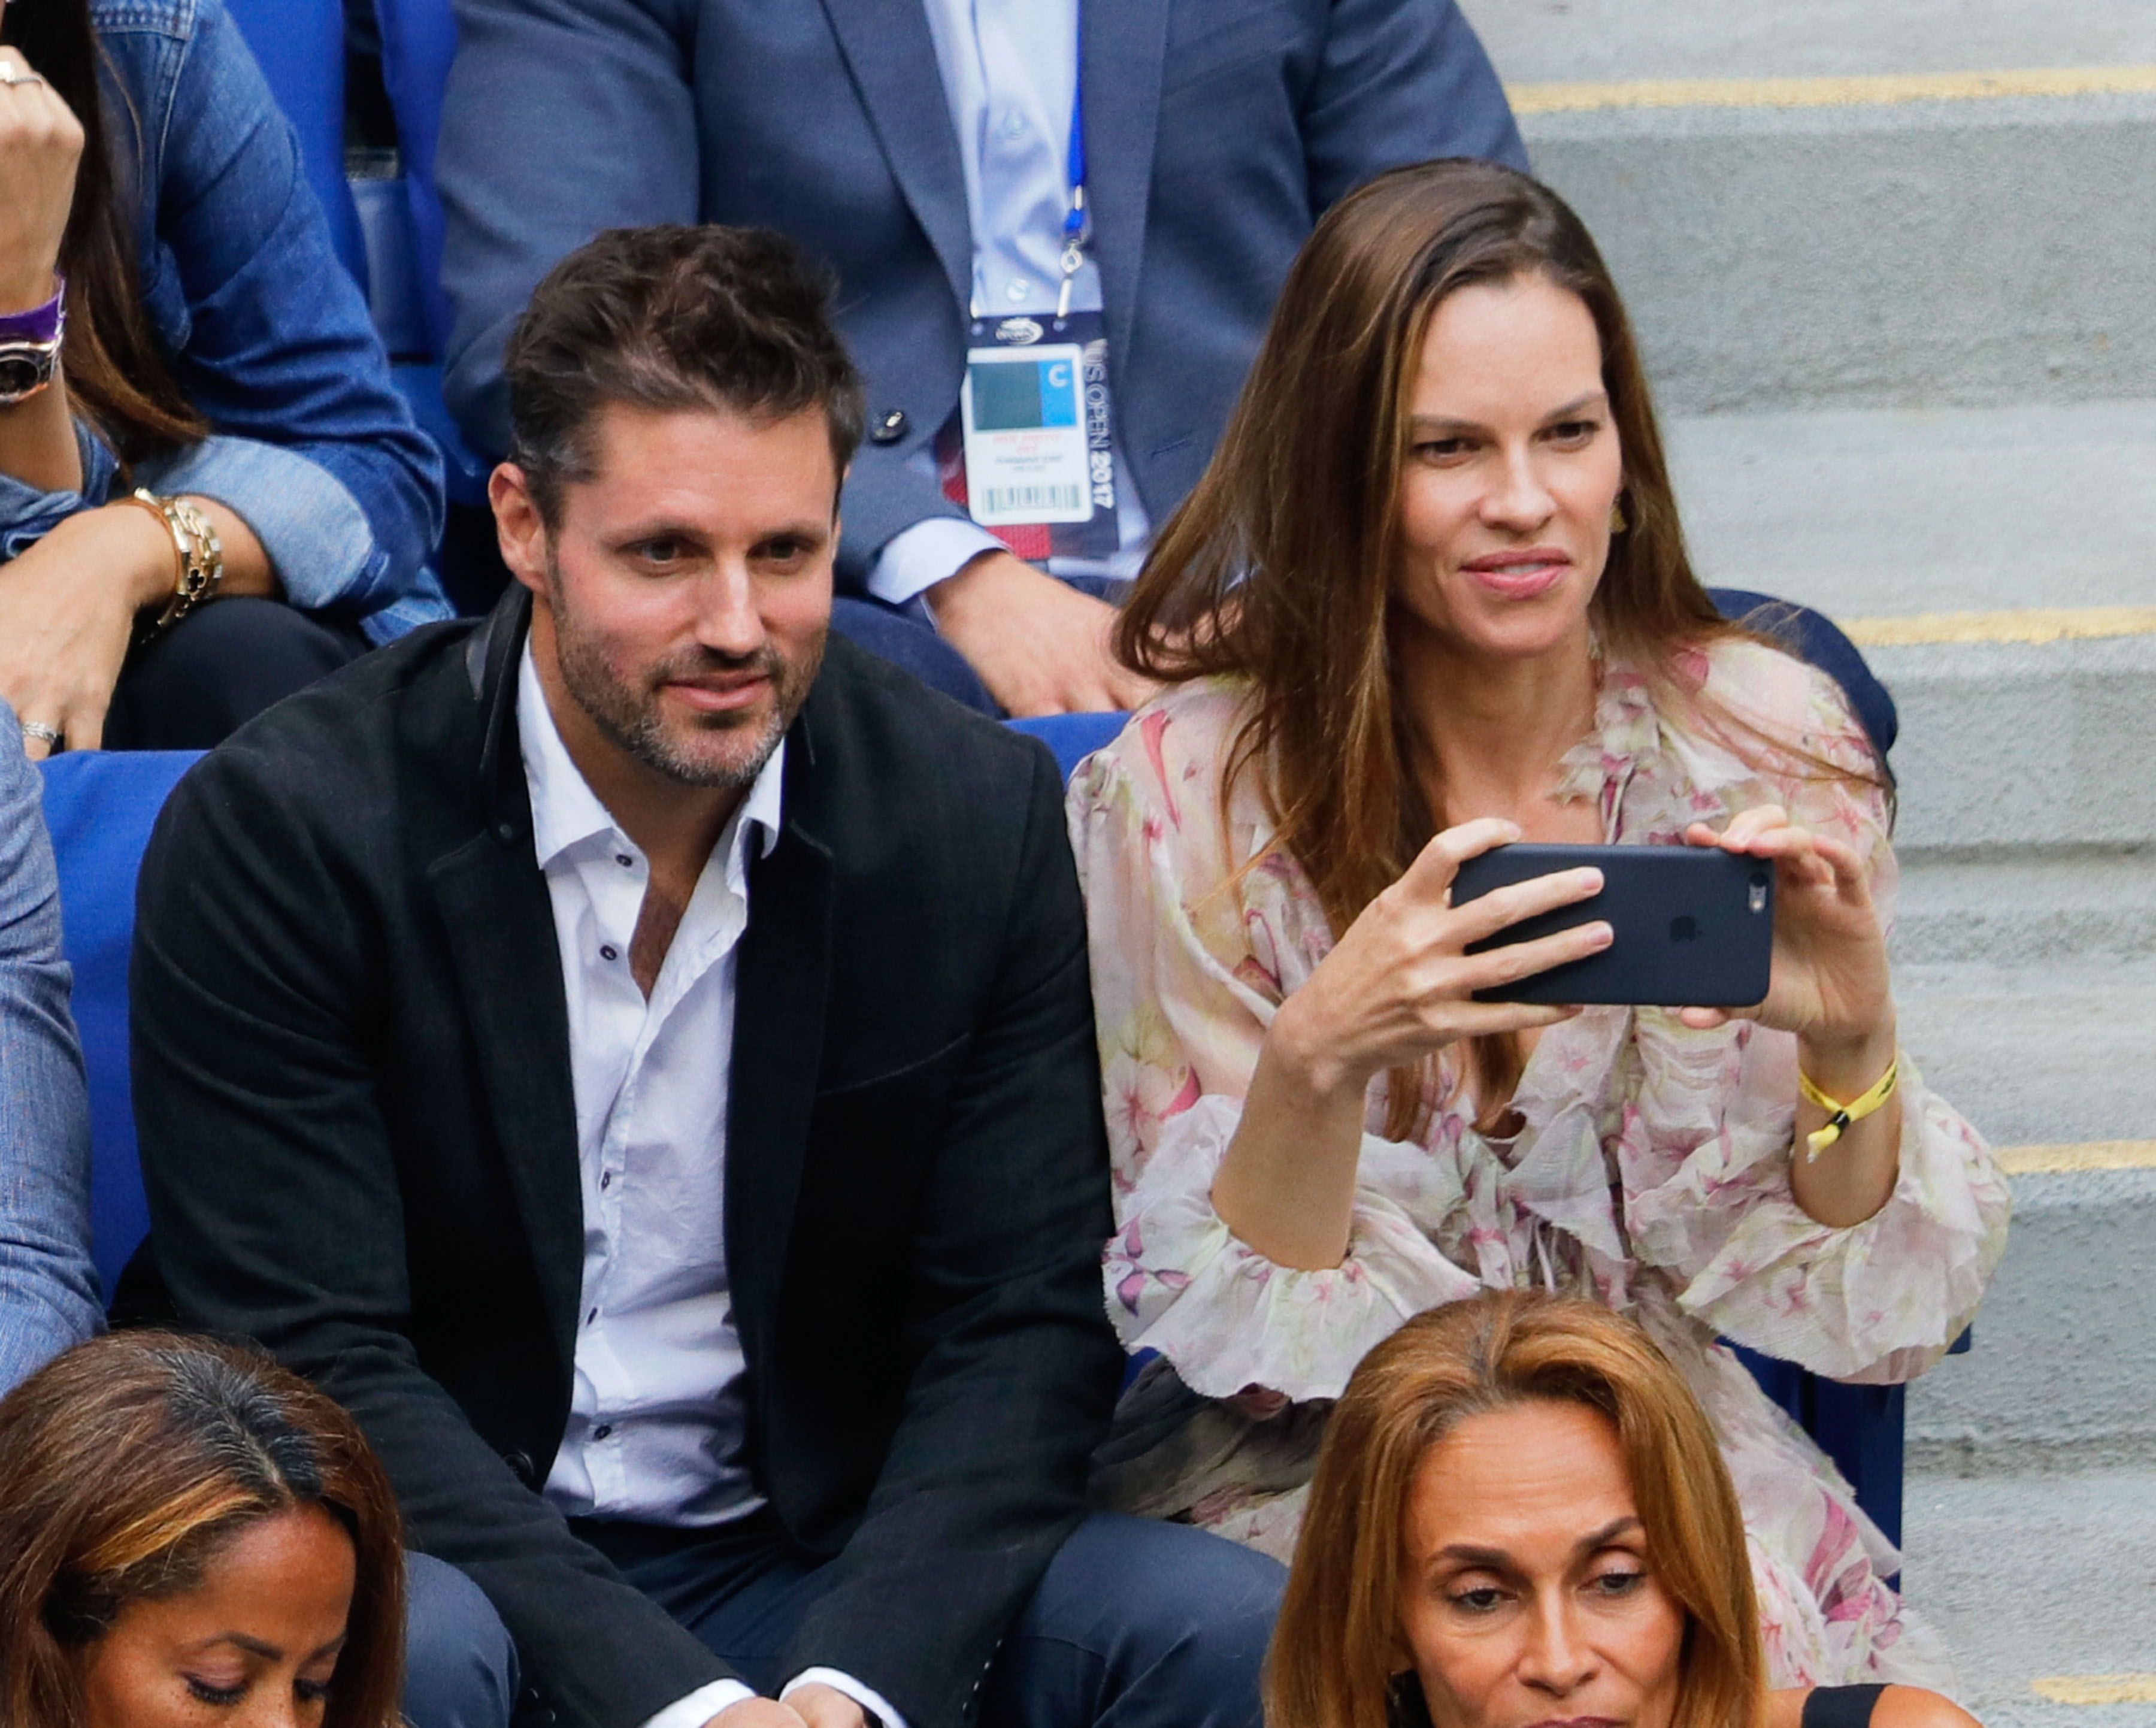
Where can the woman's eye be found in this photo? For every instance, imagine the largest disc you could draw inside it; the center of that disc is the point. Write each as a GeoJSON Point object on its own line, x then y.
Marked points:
{"type": "Point", "coordinates": [312, 1691]}
{"type": "Point", "coordinates": [1441, 449]}
{"type": "Point", "coordinates": [1484, 1600]}
{"type": "Point", "coordinates": [1573, 432]}
{"type": "Point", "coordinates": [1619, 1583]}
{"type": "Point", "coordinates": [223, 1696]}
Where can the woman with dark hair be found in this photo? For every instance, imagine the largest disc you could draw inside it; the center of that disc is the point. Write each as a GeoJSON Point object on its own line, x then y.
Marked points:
{"type": "Point", "coordinates": [194, 406]}
{"type": "Point", "coordinates": [1521, 1515]}
{"type": "Point", "coordinates": [1432, 597]}
{"type": "Point", "coordinates": [192, 1532]}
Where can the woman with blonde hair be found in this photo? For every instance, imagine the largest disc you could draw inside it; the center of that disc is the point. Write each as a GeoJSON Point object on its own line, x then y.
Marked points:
{"type": "Point", "coordinates": [192, 1534]}
{"type": "Point", "coordinates": [1432, 597]}
{"type": "Point", "coordinates": [1521, 1515]}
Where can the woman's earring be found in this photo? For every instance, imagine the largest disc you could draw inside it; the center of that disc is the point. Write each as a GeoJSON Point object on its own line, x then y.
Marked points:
{"type": "Point", "coordinates": [1617, 522]}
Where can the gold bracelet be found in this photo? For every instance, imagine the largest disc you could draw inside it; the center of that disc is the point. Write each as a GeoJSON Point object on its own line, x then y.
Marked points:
{"type": "Point", "coordinates": [198, 554]}
{"type": "Point", "coordinates": [1840, 1116]}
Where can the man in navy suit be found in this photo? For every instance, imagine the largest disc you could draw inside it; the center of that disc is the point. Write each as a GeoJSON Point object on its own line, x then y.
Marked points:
{"type": "Point", "coordinates": [970, 169]}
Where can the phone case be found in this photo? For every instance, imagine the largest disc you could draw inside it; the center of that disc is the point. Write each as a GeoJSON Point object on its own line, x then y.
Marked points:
{"type": "Point", "coordinates": [1695, 926]}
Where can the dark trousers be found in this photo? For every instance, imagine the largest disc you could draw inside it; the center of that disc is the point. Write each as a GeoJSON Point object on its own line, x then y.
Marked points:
{"type": "Point", "coordinates": [1136, 1624]}
{"type": "Point", "coordinates": [192, 687]}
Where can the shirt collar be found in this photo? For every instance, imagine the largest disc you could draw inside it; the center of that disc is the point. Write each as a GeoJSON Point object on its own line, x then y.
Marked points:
{"type": "Point", "coordinates": [565, 810]}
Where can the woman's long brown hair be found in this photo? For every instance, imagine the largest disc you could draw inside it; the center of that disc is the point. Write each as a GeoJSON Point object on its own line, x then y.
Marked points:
{"type": "Point", "coordinates": [1338, 1642]}
{"type": "Point", "coordinates": [1278, 569]}
{"type": "Point", "coordinates": [116, 373]}
{"type": "Point", "coordinates": [126, 1467]}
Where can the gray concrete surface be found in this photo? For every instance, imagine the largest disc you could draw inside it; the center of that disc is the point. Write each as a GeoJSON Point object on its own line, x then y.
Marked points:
{"type": "Point", "coordinates": [1536, 41]}
{"type": "Point", "coordinates": [2024, 906]}
{"type": "Point", "coordinates": [1919, 256]}
{"type": "Point", "coordinates": [2065, 1350]}
{"type": "Point", "coordinates": [2029, 1580]}
{"type": "Point", "coordinates": [1883, 512]}
{"type": "Point", "coordinates": [2011, 745]}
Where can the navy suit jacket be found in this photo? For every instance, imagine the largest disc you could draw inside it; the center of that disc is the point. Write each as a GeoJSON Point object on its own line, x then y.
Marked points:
{"type": "Point", "coordinates": [1217, 132]}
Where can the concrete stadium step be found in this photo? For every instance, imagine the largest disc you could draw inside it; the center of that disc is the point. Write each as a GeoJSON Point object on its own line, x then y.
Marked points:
{"type": "Point", "coordinates": [1544, 41]}
{"type": "Point", "coordinates": [2044, 1589]}
{"type": "Point", "coordinates": [1905, 253]}
{"type": "Point", "coordinates": [2060, 1377]}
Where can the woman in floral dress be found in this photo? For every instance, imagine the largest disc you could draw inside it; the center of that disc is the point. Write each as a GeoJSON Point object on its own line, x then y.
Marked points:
{"type": "Point", "coordinates": [1431, 597]}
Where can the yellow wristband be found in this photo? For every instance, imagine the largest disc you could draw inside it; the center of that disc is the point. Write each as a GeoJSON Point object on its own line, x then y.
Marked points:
{"type": "Point", "coordinates": [1839, 1115]}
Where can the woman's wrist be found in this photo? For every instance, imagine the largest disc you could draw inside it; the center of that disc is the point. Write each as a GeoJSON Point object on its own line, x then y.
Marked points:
{"type": "Point", "coordinates": [132, 547]}
{"type": "Point", "coordinates": [1847, 1066]}
{"type": "Point", "coordinates": [1302, 1059]}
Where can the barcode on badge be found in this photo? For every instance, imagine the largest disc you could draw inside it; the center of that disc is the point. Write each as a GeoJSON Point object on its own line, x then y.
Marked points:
{"type": "Point", "coordinates": [1001, 499]}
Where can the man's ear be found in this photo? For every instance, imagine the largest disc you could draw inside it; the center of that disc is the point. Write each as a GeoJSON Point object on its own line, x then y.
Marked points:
{"type": "Point", "coordinates": [519, 529]}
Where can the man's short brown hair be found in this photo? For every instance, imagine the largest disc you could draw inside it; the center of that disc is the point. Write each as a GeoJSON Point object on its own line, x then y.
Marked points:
{"type": "Point", "coordinates": [671, 318]}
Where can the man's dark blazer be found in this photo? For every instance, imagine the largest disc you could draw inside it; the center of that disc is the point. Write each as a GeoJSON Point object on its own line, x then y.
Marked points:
{"type": "Point", "coordinates": [358, 1132]}
{"type": "Point", "coordinates": [1217, 132]}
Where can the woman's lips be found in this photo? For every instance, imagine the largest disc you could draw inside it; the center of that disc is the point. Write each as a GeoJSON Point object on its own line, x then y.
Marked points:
{"type": "Point", "coordinates": [1520, 575]}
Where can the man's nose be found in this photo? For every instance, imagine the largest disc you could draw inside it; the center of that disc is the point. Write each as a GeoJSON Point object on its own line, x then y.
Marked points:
{"type": "Point", "coordinates": [728, 617]}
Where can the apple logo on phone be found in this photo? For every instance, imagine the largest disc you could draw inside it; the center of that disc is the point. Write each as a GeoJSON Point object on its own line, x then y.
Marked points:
{"type": "Point", "coordinates": [1684, 929]}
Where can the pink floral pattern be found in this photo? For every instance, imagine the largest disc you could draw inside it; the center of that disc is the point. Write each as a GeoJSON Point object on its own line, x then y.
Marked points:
{"type": "Point", "coordinates": [1651, 1172]}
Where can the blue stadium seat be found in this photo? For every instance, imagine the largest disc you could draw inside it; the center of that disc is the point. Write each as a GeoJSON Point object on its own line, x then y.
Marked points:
{"type": "Point", "coordinates": [100, 807]}
{"type": "Point", "coordinates": [300, 46]}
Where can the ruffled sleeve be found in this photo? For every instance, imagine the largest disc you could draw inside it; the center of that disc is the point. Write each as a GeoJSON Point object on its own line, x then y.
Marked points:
{"type": "Point", "coordinates": [1188, 966]}
{"type": "Point", "coordinates": [1705, 1155]}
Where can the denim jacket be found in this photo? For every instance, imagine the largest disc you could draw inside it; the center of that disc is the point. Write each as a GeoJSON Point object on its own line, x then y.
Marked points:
{"type": "Point", "coordinates": [267, 334]}
{"type": "Point", "coordinates": [48, 1283]}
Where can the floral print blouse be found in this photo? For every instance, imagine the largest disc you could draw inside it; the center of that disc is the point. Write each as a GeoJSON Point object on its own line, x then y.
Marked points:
{"type": "Point", "coordinates": [1650, 1169]}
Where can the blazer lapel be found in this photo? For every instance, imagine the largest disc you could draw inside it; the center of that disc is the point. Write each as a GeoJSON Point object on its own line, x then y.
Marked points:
{"type": "Point", "coordinates": [494, 906]}
{"type": "Point", "coordinates": [1121, 48]}
{"type": "Point", "coordinates": [781, 981]}
{"type": "Point", "coordinates": [892, 58]}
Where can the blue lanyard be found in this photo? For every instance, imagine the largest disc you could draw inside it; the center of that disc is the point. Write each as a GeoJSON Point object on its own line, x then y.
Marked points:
{"type": "Point", "coordinates": [1077, 221]}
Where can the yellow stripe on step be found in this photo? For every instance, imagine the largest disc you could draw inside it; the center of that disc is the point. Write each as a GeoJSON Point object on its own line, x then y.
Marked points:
{"type": "Point", "coordinates": [2032, 624]}
{"type": "Point", "coordinates": [2088, 1155]}
{"type": "Point", "coordinates": [2097, 1688]}
{"type": "Point", "coordinates": [1860, 92]}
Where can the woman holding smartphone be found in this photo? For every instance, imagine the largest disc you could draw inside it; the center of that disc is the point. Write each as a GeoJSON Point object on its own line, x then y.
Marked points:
{"type": "Point", "coordinates": [1431, 598]}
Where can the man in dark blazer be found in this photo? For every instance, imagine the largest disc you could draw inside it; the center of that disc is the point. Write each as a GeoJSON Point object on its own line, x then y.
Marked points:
{"type": "Point", "coordinates": [641, 1062]}
{"type": "Point", "coordinates": [921, 148]}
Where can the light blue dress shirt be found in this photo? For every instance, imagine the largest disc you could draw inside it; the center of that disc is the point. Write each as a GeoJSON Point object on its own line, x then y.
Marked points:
{"type": "Point", "coordinates": [1010, 68]}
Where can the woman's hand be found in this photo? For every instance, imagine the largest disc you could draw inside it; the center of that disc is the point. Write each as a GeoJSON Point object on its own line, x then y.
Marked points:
{"type": "Point", "coordinates": [1830, 986]}
{"type": "Point", "coordinates": [1399, 985]}
{"type": "Point", "coordinates": [67, 613]}
{"type": "Point", "coordinates": [1829, 983]}
{"type": "Point", "coordinates": [40, 145]}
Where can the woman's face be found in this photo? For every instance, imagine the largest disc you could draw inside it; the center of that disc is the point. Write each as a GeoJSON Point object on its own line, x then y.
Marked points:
{"type": "Point", "coordinates": [253, 1646]}
{"type": "Point", "coordinates": [1511, 466]}
{"type": "Point", "coordinates": [1530, 1597]}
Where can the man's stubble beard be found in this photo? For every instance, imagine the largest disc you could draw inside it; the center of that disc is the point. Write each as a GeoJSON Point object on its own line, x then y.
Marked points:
{"type": "Point", "coordinates": [629, 719]}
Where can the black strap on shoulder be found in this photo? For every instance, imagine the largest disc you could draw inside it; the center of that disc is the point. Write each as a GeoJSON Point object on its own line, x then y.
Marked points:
{"type": "Point", "coordinates": [1841, 1706]}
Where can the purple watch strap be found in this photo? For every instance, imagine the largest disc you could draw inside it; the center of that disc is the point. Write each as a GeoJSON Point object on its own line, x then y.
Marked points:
{"type": "Point", "coordinates": [40, 324]}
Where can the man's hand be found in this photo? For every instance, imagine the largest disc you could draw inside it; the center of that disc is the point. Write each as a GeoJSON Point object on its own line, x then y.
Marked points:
{"type": "Point", "coordinates": [1039, 645]}
{"type": "Point", "coordinates": [757, 1713]}
{"type": "Point", "coordinates": [822, 1706]}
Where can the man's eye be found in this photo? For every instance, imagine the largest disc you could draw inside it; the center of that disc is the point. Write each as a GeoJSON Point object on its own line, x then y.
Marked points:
{"type": "Point", "coordinates": [224, 1696]}
{"type": "Point", "coordinates": [659, 552]}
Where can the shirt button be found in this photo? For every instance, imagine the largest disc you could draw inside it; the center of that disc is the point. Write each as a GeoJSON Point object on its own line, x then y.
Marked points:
{"type": "Point", "coordinates": [1014, 123]}
{"type": "Point", "coordinates": [602, 1431]}
{"type": "Point", "coordinates": [1018, 290]}
{"type": "Point", "coordinates": [607, 951]}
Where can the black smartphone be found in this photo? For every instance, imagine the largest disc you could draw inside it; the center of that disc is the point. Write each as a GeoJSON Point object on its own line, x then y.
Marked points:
{"type": "Point", "coordinates": [1695, 925]}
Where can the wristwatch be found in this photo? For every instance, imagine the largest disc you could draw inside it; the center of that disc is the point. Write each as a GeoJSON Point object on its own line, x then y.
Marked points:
{"type": "Point", "coordinates": [30, 349]}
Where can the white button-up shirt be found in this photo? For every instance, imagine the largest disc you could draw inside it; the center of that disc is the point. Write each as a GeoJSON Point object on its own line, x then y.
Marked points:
{"type": "Point", "coordinates": [657, 1418]}
{"type": "Point", "coordinates": [1009, 70]}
